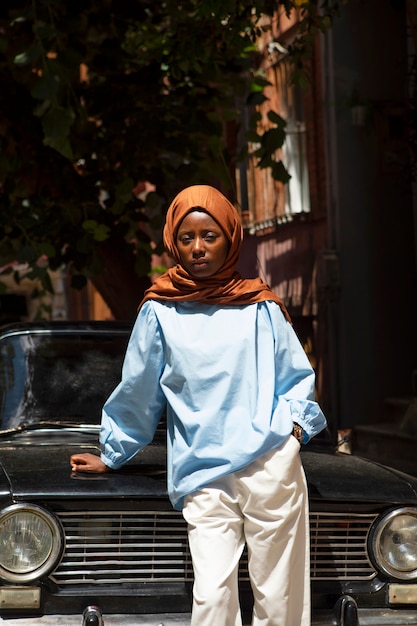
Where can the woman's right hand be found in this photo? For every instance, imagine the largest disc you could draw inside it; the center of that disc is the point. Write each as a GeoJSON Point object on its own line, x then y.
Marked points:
{"type": "Point", "coordinates": [88, 462]}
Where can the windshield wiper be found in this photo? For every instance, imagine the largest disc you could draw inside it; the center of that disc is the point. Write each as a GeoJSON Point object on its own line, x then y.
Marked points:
{"type": "Point", "coordinates": [90, 428]}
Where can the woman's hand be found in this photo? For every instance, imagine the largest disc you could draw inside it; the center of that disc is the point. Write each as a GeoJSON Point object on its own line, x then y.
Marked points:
{"type": "Point", "coordinates": [88, 463]}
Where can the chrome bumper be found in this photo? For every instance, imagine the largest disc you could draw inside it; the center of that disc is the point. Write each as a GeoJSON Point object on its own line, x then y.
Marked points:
{"type": "Point", "coordinates": [108, 620]}
{"type": "Point", "coordinates": [371, 617]}
{"type": "Point", "coordinates": [344, 613]}
{"type": "Point", "coordinates": [347, 613]}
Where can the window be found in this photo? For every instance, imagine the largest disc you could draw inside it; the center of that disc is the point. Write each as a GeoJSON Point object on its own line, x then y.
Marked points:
{"type": "Point", "coordinates": [265, 201]}
{"type": "Point", "coordinates": [294, 152]}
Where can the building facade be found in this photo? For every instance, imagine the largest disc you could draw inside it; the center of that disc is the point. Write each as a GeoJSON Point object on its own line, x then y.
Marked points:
{"type": "Point", "coordinates": [338, 243]}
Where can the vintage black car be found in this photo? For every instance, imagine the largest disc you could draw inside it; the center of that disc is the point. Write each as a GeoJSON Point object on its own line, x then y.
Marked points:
{"type": "Point", "coordinates": [108, 548]}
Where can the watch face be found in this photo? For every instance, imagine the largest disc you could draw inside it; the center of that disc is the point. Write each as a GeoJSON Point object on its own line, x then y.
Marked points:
{"type": "Point", "coordinates": [298, 433]}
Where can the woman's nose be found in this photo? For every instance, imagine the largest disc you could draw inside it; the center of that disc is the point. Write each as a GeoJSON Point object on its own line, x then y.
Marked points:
{"type": "Point", "coordinates": [198, 247]}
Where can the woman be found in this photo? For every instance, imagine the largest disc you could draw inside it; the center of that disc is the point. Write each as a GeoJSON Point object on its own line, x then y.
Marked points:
{"type": "Point", "coordinates": [219, 352]}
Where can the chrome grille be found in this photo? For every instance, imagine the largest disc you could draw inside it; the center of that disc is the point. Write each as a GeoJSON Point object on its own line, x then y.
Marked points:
{"type": "Point", "coordinates": [124, 547]}
{"type": "Point", "coordinates": [338, 546]}
{"type": "Point", "coordinates": [151, 546]}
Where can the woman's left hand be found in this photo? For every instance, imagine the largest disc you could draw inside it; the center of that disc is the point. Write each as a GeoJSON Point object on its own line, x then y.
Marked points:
{"type": "Point", "coordinates": [88, 462]}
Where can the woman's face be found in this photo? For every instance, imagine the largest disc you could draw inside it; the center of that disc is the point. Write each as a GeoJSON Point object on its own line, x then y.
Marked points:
{"type": "Point", "coordinates": [202, 244]}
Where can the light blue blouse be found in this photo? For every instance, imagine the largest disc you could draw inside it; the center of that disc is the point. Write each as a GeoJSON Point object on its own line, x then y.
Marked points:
{"type": "Point", "coordinates": [233, 380]}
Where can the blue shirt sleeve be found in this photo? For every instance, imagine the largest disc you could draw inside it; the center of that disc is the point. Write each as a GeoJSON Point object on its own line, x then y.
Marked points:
{"type": "Point", "coordinates": [132, 412]}
{"type": "Point", "coordinates": [295, 378]}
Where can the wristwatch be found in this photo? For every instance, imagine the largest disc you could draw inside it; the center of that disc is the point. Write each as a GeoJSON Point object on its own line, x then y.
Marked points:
{"type": "Point", "coordinates": [298, 433]}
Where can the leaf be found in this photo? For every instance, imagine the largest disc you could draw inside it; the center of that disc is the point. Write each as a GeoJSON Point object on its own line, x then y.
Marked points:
{"type": "Point", "coordinates": [41, 274]}
{"type": "Point", "coordinates": [229, 115]}
{"type": "Point", "coordinates": [45, 279]}
{"type": "Point", "coordinates": [16, 277]}
{"type": "Point", "coordinates": [255, 118]}
{"type": "Point", "coordinates": [279, 172]}
{"type": "Point", "coordinates": [83, 244]}
{"type": "Point", "coordinates": [153, 200]}
{"type": "Point", "coordinates": [326, 23]}
{"type": "Point", "coordinates": [265, 161]}
{"type": "Point", "coordinates": [124, 189]}
{"type": "Point", "coordinates": [47, 249]}
{"type": "Point", "coordinates": [300, 78]}
{"type": "Point", "coordinates": [56, 124]}
{"type": "Point", "coordinates": [78, 281]}
{"type": "Point", "coordinates": [27, 254]}
{"type": "Point", "coordinates": [94, 266]}
{"type": "Point", "coordinates": [45, 87]}
{"type": "Point", "coordinates": [260, 152]}
{"type": "Point", "coordinates": [29, 56]}
{"type": "Point", "coordinates": [273, 139]}
{"type": "Point", "coordinates": [259, 83]}
{"type": "Point", "coordinates": [158, 269]}
{"type": "Point", "coordinates": [100, 232]}
{"type": "Point", "coordinates": [214, 117]}
{"type": "Point", "coordinates": [57, 121]}
{"type": "Point", "coordinates": [61, 145]}
{"type": "Point", "coordinates": [214, 145]}
{"type": "Point", "coordinates": [253, 136]}
{"type": "Point", "coordinates": [256, 98]}
{"type": "Point", "coordinates": [89, 225]}
{"type": "Point", "coordinates": [276, 119]}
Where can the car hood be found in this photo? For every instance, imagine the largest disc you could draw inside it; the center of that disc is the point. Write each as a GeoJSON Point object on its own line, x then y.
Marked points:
{"type": "Point", "coordinates": [42, 471]}
{"type": "Point", "coordinates": [348, 477]}
{"type": "Point", "coordinates": [36, 468]}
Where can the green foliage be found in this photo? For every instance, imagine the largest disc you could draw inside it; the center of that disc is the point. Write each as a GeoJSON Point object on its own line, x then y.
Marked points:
{"type": "Point", "coordinates": [160, 88]}
{"type": "Point", "coordinates": [317, 17]}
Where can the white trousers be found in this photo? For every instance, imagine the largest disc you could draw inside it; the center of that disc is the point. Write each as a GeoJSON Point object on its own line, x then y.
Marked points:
{"type": "Point", "coordinates": [265, 505]}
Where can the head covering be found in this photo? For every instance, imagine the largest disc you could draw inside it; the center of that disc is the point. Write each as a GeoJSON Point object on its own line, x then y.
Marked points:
{"type": "Point", "coordinates": [225, 287]}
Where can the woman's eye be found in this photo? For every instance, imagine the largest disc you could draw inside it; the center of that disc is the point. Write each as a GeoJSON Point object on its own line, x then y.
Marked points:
{"type": "Point", "coordinates": [185, 239]}
{"type": "Point", "coordinates": [210, 237]}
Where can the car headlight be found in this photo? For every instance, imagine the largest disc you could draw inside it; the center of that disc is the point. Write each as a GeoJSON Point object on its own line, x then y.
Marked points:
{"type": "Point", "coordinates": [393, 543]}
{"type": "Point", "coordinates": [31, 542]}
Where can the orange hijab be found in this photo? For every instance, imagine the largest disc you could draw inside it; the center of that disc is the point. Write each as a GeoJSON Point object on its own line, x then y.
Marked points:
{"type": "Point", "coordinates": [227, 286]}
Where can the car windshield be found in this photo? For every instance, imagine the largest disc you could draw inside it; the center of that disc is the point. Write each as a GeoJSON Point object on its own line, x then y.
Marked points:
{"type": "Point", "coordinates": [46, 377]}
